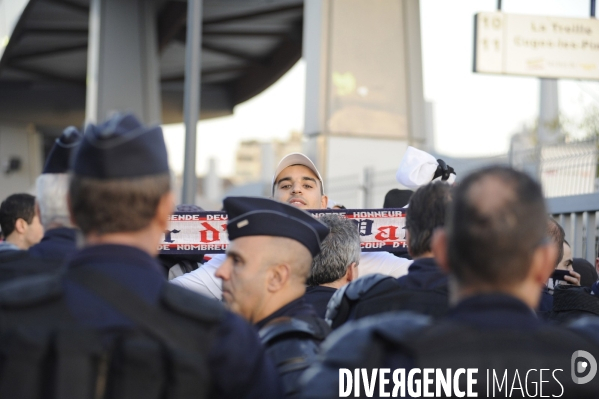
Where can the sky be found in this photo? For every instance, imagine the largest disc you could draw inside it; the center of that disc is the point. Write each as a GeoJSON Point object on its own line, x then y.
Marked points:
{"type": "Point", "coordinates": [474, 114]}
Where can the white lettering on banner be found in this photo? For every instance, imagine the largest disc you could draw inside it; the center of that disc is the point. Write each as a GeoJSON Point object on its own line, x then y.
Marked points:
{"type": "Point", "coordinates": [380, 230]}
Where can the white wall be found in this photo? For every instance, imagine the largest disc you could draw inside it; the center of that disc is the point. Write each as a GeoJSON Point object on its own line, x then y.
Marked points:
{"type": "Point", "coordinates": [25, 143]}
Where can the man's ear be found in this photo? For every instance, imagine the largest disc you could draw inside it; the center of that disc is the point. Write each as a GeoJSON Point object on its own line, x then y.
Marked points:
{"type": "Point", "coordinates": [20, 226]}
{"type": "Point", "coordinates": [439, 247]}
{"type": "Point", "coordinates": [324, 200]}
{"type": "Point", "coordinates": [166, 206]}
{"type": "Point", "coordinates": [543, 263]}
{"type": "Point", "coordinates": [352, 272]}
{"type": "Point", "coordinates": [597, 265]}
{"type": "Point", "coordinates": [277, 277]}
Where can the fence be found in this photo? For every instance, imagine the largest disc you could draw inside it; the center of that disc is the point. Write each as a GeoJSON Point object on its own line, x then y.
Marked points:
{"type": "Point", "coordinates": [362, 190]}
{"type": "Point", "coordinates": [563, 169]}
{"type": "Point", "coordinates": [578, 216]}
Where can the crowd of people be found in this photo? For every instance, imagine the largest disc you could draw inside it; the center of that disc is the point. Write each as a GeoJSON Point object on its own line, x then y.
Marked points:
{"type": "Point", "coordinates": [488, 292]}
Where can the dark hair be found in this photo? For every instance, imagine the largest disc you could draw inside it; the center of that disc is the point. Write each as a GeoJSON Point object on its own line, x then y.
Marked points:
{"type": "Point", "coordinates": [337, 251]}
{"type": "Point", "coordinates": [116, 205]}
{"type": "Point", "coordinates": [497, 220]}
{"type": "Point", "coordinates": [426, 212]}
{"type": "Point", "coordinates": [16, 206]}
{"type": "Point", "coordinates": [396, 198]}
{"type": "Point", "coordinates": [557, 236]}
{"type": "Point", "coordinates": [588, 274]}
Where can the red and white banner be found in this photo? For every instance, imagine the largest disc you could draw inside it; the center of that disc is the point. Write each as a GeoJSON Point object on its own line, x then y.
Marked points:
{"type": "Point", "coordinates": [206, 232]}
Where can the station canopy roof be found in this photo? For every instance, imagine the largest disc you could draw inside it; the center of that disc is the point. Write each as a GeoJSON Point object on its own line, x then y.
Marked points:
{"type": "Point", "coordinates": [246, 46]}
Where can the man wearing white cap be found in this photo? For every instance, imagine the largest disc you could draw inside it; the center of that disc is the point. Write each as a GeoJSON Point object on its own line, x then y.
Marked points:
{"type": "Point", "coordinates": [297, 182]}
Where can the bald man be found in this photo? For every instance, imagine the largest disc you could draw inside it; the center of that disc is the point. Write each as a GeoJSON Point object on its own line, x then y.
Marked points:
{"type": "Point", "coordinates": [264, 280]}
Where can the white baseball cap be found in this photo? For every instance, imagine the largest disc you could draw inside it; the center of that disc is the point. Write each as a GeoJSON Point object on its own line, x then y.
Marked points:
{"type": "Point", "coordinates": [418, 168]}
{"type": "Point", "coordinates": [296, 158]}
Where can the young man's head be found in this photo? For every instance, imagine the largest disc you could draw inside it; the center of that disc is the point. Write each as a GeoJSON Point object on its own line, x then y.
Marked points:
{"type": "Point", "coordinates": [426, 213]}
{"type": "Point", "coordinates": [120, 188]}
{"type": "Point", "coordinates": [566, 260]}
{"type": "Point", "coordinates": [337, 262]}
{"type": "Point", "coordinates": [297, 182]}
{"type": "Point", "coordinates": [18, 221]}
{"type": "Point", "coordinates": [556, 234]}
{"type": "Point", "coordinates": [269, 257]}
{"type": "Point", "coordinates": [495, 236]}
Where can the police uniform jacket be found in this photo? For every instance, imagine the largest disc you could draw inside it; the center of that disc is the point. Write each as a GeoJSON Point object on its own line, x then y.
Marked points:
{"type": "Point", "coordinates": [236, 361]}
{"type": "Point", "coordinates": [494, 332]}
{"type": "Point", "coordinates": [292, 337]}
{"type": "Point", "coordinates": [319, 297]}
{"type": "Point", "coordinates": [58, 244]}
{"type": "Point", "coordinates": [422, 290]}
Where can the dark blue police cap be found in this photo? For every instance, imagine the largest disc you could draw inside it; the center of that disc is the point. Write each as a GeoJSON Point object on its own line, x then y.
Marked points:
{"type": "Point", "coordinates": [249, 216]}
{"type": "Point", "coordinates": [121, 147]}
{"type": "Point", "coordinates": [60, 155]}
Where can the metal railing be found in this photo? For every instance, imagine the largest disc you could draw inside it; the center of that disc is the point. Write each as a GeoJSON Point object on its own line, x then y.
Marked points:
{"type": "Point", "coordinates": [564, 169]}
{"type": "Point", "coordinates": [577, 214]}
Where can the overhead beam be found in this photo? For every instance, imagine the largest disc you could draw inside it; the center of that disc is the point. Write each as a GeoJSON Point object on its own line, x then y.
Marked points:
{"type": "Point", "coordinates": [171, 22]}
{"type": "Point", "coordinates": [254, 14]}
{"type": "Point", "coordinates": [252, 33]}
{"type": "Point", "coordinates": [71, 5]}
{"type": "Point", "coordinates": [207, 72]}
{"type": "Point", "coordinates": [19, 27]}
{"type": "Point", "coordinates": [231, 53]}
{"type": "Point", "coordinates": [50, 31]}
{"type": "Point", "coordinates": [45, 74]}
{"type": "Point", "coordinates": [45, 53]}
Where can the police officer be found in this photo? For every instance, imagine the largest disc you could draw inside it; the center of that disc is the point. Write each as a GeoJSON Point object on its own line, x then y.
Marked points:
{"type": "Point", "coordinates": [494, 245]}
{"type": "Point", "coordinates": [423, 289]}
{"type": "Point", "coordinates": [264, 277]}
{"type": "Point", "coordinates": [114, 326]}
{"type": "Point", "coordinates": [60, 236]}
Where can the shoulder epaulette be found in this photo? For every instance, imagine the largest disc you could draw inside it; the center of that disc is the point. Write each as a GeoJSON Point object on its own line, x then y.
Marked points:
{"type": "Point", "coordinates": [291, 325]}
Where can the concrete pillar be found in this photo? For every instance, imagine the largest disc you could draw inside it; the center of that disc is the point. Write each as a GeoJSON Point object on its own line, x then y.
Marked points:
{"type": "Point", "coordinates": [212, 183]}
{"type": "Point", "coordinates": [549, 132]}
{"type": "Point", "coordinates": [364, 95]}
{"type": "Point", "coordinates": [123, 69]}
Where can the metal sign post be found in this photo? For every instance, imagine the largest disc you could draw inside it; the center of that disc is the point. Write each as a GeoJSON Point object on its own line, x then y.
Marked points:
{"type": "Point", "coordinates": [191, 106]}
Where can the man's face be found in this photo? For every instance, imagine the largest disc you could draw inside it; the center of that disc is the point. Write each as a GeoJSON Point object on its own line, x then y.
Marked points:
{"type": "Point", "coordinates": [297, 185]}
{"type": "Point", "coordinates": [34, 232]}
{"type": "Point", "coordinates": [566, 262]}
{"type": "Point", "coordinates": [244, 274]}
